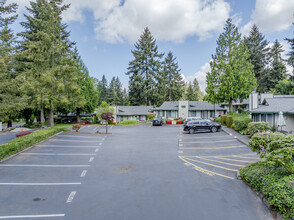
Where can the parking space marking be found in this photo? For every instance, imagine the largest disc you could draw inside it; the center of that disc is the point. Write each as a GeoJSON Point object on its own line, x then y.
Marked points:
{"type": "Point", "coordinates": [206, 142]}
{"type": "Point", "coordinates": [32, 216]}
{"type": "Point", "coordinates": [207, 172]}
{"type": "Point", "coordinates": [96, 150]}
{"type": "Point", "coordinates": [243, 161]}
{"type": "Point", "coordinates": [38, 184]}
{"type": "Point", "coordinates": [221, 136]}
{"type": "Point", "coordinates": [83, 174]}
{"type": "Point", "coordinates": [80, 136]}
{"type": "Point", "coordinates": [230, 164]}
{"type": "Point", "coordinates": [86, 141]}
{"type": "Point", "coordinates": [100, 144]}
{"type": "Point", "coordinates": [213, 165]}
{"type": "Point", "coordinates": [91, 159]}
{"type": "Point", "coordinates": [58, 146]}
{"type": "Point", "coordinates": [40, 165]}
{"type": "Point", "coordinates": [211, 148]}
{"type": "Point", "coordinates": [71, 197]}
{"type": "Point", "coordinates": [57, 154]}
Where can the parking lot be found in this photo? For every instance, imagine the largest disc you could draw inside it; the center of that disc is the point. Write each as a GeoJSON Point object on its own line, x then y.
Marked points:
{"type": "Point", "coordinates": [42, 182]}
{"type": "Point", "coordinates": [215, 154]}
{"type": "Point", "coordinates": [137, 172]}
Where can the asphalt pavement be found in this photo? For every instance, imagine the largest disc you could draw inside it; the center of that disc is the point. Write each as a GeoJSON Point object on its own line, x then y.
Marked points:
{"type": "Point", "coordinates": [136, 172]}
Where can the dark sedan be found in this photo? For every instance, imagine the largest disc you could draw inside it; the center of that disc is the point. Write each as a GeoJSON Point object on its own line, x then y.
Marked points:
{"type": "Point", "coordinates": [157, 121]}
{"type": "Point", "coordinates": [201, 125]}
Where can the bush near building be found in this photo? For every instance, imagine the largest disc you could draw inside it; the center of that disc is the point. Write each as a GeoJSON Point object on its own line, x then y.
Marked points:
{"type": "Point", "coordinates": [273, 174]}
{"type": "Point", "coordinates": [254, 127]}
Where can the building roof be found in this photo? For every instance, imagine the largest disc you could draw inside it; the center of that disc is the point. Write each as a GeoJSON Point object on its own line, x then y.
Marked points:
{"type": "Point", "coordinates": [203, 105]}
{"type": "Point", "coordinates": [275, 105]}
{"type": "Point", "coordinates": [133, 110]}
{"type": "Point", "coordinates": [193, 106]}
{"type": "Point", "coordinates": [168, 106]}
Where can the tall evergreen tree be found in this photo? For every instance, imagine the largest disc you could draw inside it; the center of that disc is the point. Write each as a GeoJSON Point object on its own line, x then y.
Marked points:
{"type": "Point", "coordinates": [119, 92]}
{"type": "Point", "coordinates": [47, 56]}
{"type": "Point", "coordinates": [86, 100]}
{"type": "Point", "coordinates": [173, 81]}
{"type": "Point", "coordinates": [258, 50]}
{"type": "Point", "coordinates": [197, 91]}
{"type": "Point", "coordinates": [190, 92]}
{"type": "Point", "coordinates": [11, 100]}
{"type": "Point", "coordinates": [277, 70]}
{"type": "Point", "coordinates": [103, 90]}
{"type": "Point", "coordinates": [143, 70]}
{"type": "Point", "coordinates": [231, 77]}
{"type": "Point", "coordinates": [290, 59]}
{"type": "Point", "coordinates": [112, 92]}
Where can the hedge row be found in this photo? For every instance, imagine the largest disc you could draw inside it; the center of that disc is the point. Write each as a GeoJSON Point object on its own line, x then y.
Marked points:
{"type": "Point", "coordinates": [273, 183]}
{"type": "Point", "coordinates": [20, 143]}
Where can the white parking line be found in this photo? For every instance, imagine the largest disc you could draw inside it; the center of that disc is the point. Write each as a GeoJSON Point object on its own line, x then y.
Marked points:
{"type": "Point", "coordinates": [91, 159]}
{"type": "Point", "coordinates": [96, 150]}
{"type": "Point", "coordinates": [31, 216]}
{"type": "Point", "coordinates": [100, 144]}
{"type": "Point", "coordinates": [37, 165]}
{"type": "Point", "coordinates": [80, 136]}
{"type": "Point", "coordinates": [79, 141]}
{"type": "Point", "coordinates": [206, 142]}
{"type": "Point", "coordinates": [215, 137]}
{"type": "Point", "coordinates": [83, 174]}
{"type": "Point", "coordinates": [211, 148]}
{"type": "Point", "coordinates": [71, 196]}
{"type": "Point", "coordinates": [56, 146]}
{"type": "Point", "coordinates": [50, 154]}
{"type": "Point", "coordinates": [38, 184]}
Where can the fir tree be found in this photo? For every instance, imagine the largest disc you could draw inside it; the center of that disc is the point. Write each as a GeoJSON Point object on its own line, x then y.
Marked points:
{"type": "Point", "coordinates": [46, 57]}
{"type": "Point", "coordinates": [119, 92]}
{"type": "Point", "coordinates": [258, 50]}
{"type": "Point", "coordinates": [143, 70]}
{"type": "Point", "coordinates": [11, 100]}
{"type": "Point", "coordinates": [103, 90]}
{"type": "Point", "coordinates": [231, 77]}
{"type": "Point", "coordinates": [173, 81]}
{"type": "Point", "coordinates": [197, 91]}
{"type": "Point", "coordinates": [290, 60]}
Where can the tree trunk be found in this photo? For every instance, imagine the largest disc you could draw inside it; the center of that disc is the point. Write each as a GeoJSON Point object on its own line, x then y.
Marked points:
{"type": "Point", "coordinates": [9, 124]}
{"type": "Point", "coordinates": [230, 105]}
{"type": "Point", "coordinates": [42, 116]}
{"type": "Point", "coordinates": [51, 118]}
{"type": "Point", "coordinates": [78, 115]}
{"type": "Point", "coordinates": [106, 127]}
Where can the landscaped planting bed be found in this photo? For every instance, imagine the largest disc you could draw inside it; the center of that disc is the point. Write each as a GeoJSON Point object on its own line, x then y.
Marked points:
{"type": "Point", "coordinates": [23, 142]}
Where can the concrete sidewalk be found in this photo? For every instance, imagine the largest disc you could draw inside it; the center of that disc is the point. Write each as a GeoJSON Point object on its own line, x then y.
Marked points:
{"type": "Point", "coordinates": [242, 138]}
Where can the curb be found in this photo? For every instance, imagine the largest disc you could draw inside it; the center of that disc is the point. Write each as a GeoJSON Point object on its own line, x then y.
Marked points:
{"type": "Point", "coordinates": [240, 140]}
{"type": "Point", "coordinates": [26, 149]}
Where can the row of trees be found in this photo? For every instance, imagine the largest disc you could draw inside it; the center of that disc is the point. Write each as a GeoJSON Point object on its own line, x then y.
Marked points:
{"type": "Point", "coordinates": [154, 78]}
{"type": "Point", "coordinates": [41, 72]}
{"type": "Point", "coordinates": [242, 65]}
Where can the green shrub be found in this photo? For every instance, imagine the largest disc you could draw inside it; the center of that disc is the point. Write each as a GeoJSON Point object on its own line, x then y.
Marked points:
{"type": "Point", "coordinates": [229, 121]}
{"type": "Point", "coordinates": [244, 132]}
{"type": "Point", "coordinates": [273, 183]}
{"type": "Point", "coordinates": [21, 143]}
{"type": "Point", "coordinates": [96, 119]}
{"type": "Point", "coordinates": [33, 125]}
{"type": "Point", "coordinates": [129, 122]}
{"type": "Point", "coordinates": [218, 120]}
{"type": "Point", "coordinates": [254, 127]}
{"type": "Point", "coordinates": [223, 119]}
{"type": "Point", "coordinates": [282, 141]}
{"type": "Point", "coordinates": [260, 141]}
{"type": "Point", "coordinates": [110, 122]}
{"type": "Point", "coordinates": [282, 157]}
{"type": "Point", "coordinates": [151, 115]}
{"type": "Point", "coordinates": [241, 123]}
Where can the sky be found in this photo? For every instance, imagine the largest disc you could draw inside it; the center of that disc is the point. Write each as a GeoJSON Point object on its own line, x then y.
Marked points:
{"type": "Point", "coordinates": [105, 31]}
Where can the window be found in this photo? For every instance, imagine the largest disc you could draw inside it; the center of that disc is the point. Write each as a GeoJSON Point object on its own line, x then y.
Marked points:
{"type": "Point", "coordinates": [263, 117]}
{"type": "Point", "coordinates": [212, 114]}
{"type": "Point", "coordinates": [171, 114]}
{"type": "Point", "coordinates": [192, 113]}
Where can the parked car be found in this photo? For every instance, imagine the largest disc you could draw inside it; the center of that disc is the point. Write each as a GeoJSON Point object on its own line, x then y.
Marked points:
{"type": "Point", "coordinates": [191, 119]}
{"type": "Point", "coordinates": [201, 125]}
{"type": "Point", "coordinates": [157, 121]}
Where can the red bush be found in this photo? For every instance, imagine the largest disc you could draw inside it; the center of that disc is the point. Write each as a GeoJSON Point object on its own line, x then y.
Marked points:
{"type": "Point", "coordinates": [23, 133]}
{"type": "Point", "coordinates": [169, 122]}
{"type": "Point", "coordinates": [179, 122]}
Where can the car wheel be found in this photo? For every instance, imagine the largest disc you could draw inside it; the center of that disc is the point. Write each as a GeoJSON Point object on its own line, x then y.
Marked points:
{"type": "Point", "coordinates": [214, 129]}
{"type": "Point", "coordinates": [191, 131]}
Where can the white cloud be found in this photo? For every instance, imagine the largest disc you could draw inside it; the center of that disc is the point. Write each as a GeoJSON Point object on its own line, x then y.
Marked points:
{"type": "Point", "coordinates": [271, 15]}
{"type": "Point", "coordinates": [200, 76]}
{"type": "Point", "coordinates": [169, 20]}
